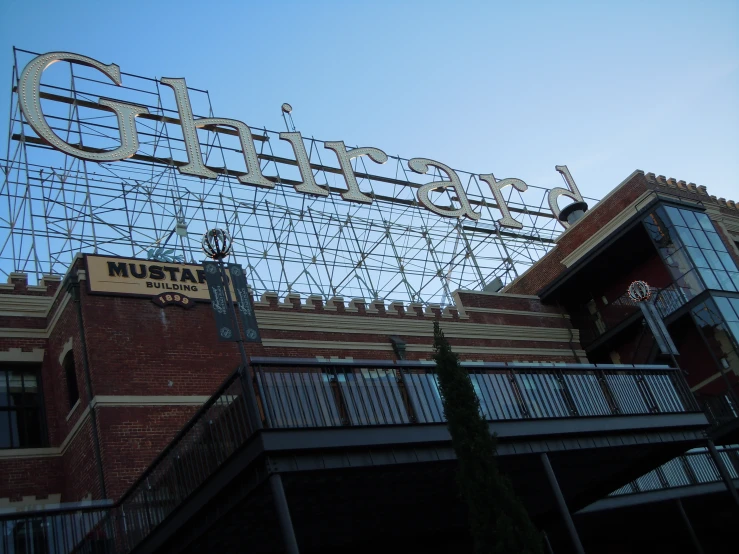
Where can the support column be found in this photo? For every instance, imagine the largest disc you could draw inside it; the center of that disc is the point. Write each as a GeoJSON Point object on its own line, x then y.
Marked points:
{"type": "Point", "coordinates": [689, 527]}
{"type": "Point", "coordinates": [723, 471]}
{"type": "Point", "coordinates": [562, 505]}
{"type": "Point", "coordinates": [283, 514]}
{"type": "Point", "coordinates": [548, 544]}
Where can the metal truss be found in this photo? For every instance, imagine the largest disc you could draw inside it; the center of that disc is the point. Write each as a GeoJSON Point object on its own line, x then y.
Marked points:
{"type": "Point", "coordinates": [54, 206]}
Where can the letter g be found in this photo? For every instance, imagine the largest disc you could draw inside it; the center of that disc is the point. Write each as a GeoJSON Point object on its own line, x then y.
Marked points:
{"type": "Point", "coordinates": [29, 97]}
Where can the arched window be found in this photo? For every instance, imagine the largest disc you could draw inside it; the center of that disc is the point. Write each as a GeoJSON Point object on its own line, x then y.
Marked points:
{"type": "Point", "coordinates": [70, 372]}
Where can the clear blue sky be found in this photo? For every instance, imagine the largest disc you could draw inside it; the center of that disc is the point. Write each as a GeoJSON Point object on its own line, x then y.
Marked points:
{"type": "Point", "coordinates": [511, 88]}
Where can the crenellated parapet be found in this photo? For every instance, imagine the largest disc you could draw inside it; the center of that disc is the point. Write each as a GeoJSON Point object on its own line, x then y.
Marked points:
{"type": "Point", "coordinates": [700, 190]}
{"type": "Point", "coordinates": [270, 300]}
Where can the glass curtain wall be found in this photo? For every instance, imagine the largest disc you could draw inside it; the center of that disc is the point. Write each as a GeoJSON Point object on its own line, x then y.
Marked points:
{"type": "Point", "coordinates": [718, 321]}
{"type": "Point", "coordinates": [692, 250]}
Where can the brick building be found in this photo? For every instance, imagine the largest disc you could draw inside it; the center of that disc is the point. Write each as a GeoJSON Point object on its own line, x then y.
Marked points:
{"type": "Point", "coordinates": [96, 382]}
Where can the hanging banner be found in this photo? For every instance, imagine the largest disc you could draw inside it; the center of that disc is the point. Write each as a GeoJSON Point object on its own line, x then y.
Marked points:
{"type": "Point", "coordinates": [227, 329]}
{"type": "Point", "coordinates": [243, 300]}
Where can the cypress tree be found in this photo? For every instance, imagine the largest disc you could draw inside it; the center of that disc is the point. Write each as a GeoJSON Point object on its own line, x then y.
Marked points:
{"type": "Point", "coordinates": [499, 522]}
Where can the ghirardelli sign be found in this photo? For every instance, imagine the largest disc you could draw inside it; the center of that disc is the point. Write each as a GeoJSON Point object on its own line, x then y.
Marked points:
{"type": "Point", "coordinates": [126, 114]}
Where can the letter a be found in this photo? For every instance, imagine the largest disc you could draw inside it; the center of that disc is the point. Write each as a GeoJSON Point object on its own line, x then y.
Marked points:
{"type": "Point", "coordinates": [345, 161]}
{"type": "Point", "coordinates": [496, 187]}
{"type": "Point", "coordinates": [421, 165]}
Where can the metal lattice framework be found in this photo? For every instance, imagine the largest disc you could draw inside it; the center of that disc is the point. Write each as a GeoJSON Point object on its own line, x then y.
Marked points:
{"type": "Point", "coordinates": [55, 206]}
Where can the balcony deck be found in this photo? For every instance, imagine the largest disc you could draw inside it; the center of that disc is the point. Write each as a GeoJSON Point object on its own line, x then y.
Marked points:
{"type": "Point", "coordinates": [357, 438]}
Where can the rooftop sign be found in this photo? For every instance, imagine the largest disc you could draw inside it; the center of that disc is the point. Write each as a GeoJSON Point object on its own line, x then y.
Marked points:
{"type": "Point", "coordinates": [29, 95]}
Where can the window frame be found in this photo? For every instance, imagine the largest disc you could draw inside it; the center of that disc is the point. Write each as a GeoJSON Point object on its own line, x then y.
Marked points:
{"type": "Point", "coordinates": [37, 370]}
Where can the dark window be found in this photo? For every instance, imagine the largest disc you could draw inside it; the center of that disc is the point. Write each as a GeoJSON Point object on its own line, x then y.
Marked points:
{"type": "Point", "coordinates": [70, 373]}
{"type": "Point", "coordinates": [21, 420]}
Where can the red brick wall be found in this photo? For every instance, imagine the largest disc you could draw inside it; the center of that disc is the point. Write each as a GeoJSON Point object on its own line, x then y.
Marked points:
{"type": "Point", "coordinates": [37, 477]}
{"type": "Point", "coordinates": [550, 267]}
{"type": "Point", "coordinates": [136, 348]}
{"type": "Point", "coordinates": [132, 437]}
{"type": "Point", "coordinates": [80, 469]}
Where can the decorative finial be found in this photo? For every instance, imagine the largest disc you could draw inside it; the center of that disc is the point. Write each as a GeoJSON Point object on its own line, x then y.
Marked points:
{"type": "Point", "coordinates": [217, 243]}
{"type": "Point", "coordinates": [639, 291]}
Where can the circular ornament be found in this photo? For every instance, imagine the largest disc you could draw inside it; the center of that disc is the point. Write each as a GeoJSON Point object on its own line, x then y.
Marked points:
{"type": "Point", "coordinates": [639, 291]}
{"type": "Point", "coordinates": [217, 243]}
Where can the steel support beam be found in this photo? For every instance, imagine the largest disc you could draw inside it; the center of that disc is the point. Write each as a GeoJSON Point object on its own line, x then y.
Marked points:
{"type": "Point", "coordinates": [561, 504]}
{"type": "Point", "coordinates": [723, 471]}
{"type": "Point", "coordinates": [283, 514]}
{"type": "Point", "coordinates": [689, 527]}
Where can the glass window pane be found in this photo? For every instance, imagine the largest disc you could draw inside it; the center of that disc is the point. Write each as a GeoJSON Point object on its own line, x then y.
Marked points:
{"type": "Point", "coordinates": [706, 316]}
{"type": "Point", "coordinates": [702, 240]}
{"type": "Point", "coordinates": [30, 383]}
{"type": "Point", "coordinates": [724, 305]}
{"type": "Point", "coordinates": [704, 221]}
{"type": "Point", "coordinates": [689, 218]}
{"type": "Point", "coordinates": [674, 215]}
{"type": "Point", "coordinates": [21, 425]}
{"type": "Point", "coordinates": [734, 326]}
{"type": "Point", "coordinates": [4, 400]}
{"type": "Point", "coordinates": [686, 237]}
{"type": "Point", "coordinates": [655, 227]}
{"type": "Point", "coordinates": [13, 429]}
{"type": "Point", "coordinates": [716, 242]}
{"type": "Point", "coordinates": [15, 388]}
{"type": "Point", "coordinates": [735, 305]}
{"type": "Point", "coordinates": [679, 263]}
{"type": "Point", "coordinates": [698, 258]}
{"type": "Point", "coordinates": [4, 430]}
{"type": "Point", "coordinates": [713, 260]}
{"type": "Point", "coordinates": [724, 280]}
{"type": "Point", "coordinates": [708, 278]}
{"type": "Point", "coordinates": [727, 260]}
{"type": "Point", "coordinates": [29, 425]}
{"type": "Point", "coordinates": [690, 284]}
{"type": "Point", "coordinates": [734, 278]}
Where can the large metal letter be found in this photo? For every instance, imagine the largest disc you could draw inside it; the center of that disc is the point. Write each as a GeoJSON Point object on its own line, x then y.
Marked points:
{"type": "Point", "coordinates": [556, 192]}
{"type": "Point", "coordinates": [190, 126]}
{"type": "Point", "coordinates": [421, 165]}
{"type": "Point", "coordinates": [345, 161]}
{"type": "Point", "coordinates": [29, 96]}
{"type": "Point", "coordinates": [496, 186]}
{"type": "Point", "coordinates": [308, 186]}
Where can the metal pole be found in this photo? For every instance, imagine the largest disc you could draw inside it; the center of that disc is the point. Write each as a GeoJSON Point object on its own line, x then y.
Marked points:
{"type": "Point", "coordinates": [283, 514]}
{"type": "Point", "coordinates": [550, 550]}
{"type": "Point", "coordinates": [253, 409]}
{"type": "Point", "coordinates": [561, 504]}
{"type": "Point", "coordinates": [689, 527]}
{"type": "Point", "coordinates": [723, 471]}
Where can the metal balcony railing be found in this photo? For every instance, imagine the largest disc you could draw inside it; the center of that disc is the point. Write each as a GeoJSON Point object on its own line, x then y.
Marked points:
{"type": "Point", "coordinates": [667, 300]}
{"type": "Point", "coordinates": [720, 409]}
{"type": "Point", "coordinates": [56, 531]}
{"type": "Point", "coordinates": [692, 468]}
{"type": "Point", "coordinates": [312, 394]}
